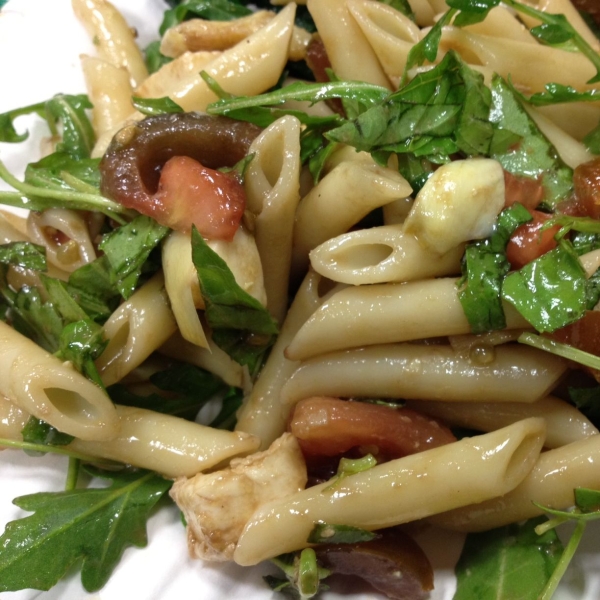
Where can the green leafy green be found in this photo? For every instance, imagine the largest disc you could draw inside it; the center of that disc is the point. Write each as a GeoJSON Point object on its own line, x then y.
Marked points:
{"type": "Point", "coordinates": [92, 525]}
{"type": "Point", "coordinates": [484, 267]}
{"type": "Point", "coordinates": [303, 575]}
{"type": "Point", "coordinates": [550, 291]}
{"type": "Point", "coordinates": [127, 250]}
{"type": "Point", "coordinates": [61, 171]}
{"type": "Point", "coordinates": [508, 562]}
{"type": "Point", "coordinates": [37, 431]}
{"type": "Point", "coordinates": [155, 106]}
{"type": "Point", "coordinates": [324, 533]}
{"type": "Point", "coordinates": [24, 254]}
{"type": "Point", "coordinates": [240, 324]}
{"type": "Point", "coordinates": [569, 352]}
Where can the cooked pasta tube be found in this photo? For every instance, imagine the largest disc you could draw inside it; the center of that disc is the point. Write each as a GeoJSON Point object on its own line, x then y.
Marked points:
{"type": "Point", "coordinates": [398, 491]}
{"type": "Point", "coordinates": [181, 285]}
{"type": "Point", "coordinates": [137, 328]}
{"type": "Point", "coordinates": [564, 423]}
{"type": "Point", "coordinates": [169, 445]}
{"type": "Point", "coordinates": [384, 313]}
{"type": "Point", "coordinates": [212, 359]}
{"type": "Point", "coordinates": [502, 22]}
{"type": "Point", "coordinates": [390, 34]}
{"type": "Point", "coordinates": [109, 91]}
{"type": "Point", "coordinates": [349, 53]}
{"type": "Point", "coordinates": [163, 443]}
{"type": "Point", "coordinates": [113, 38]}
{"type": "Point", "coordinates": [263, 414]}
{"type": "Point", "coordinates": [51, 390]}
{"type": "Point", "coordinates": [380, 255]}
{"type": "Point", "coordinates": [427, 372]}
{"type": "Point", "coordinates": [65, 235]}
{"type": "Point", "coordinates": [550, 483]}
{"type": "Point", "coordinates": [12, 230]}
{"type": "Point", "coordinates": [349, 192]}
{"type": "Point", "coordinates": [272, 184]}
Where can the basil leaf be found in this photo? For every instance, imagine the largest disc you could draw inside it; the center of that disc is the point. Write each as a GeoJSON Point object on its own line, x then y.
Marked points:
{"type": "Point", "coordinates": [240, 324]}
{"type": "Point", "coordinates": [550, 291]}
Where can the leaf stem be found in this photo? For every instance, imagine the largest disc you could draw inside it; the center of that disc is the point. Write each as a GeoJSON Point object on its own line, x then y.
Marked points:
{"type": "Point", "coordinates": [72, 474]}
{"type": "Point", "coordinates": [564, 350]}
{"type": "Point", "coordinates": [564, 562]}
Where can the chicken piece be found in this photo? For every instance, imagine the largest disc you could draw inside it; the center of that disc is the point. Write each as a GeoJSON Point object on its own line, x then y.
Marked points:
{"type": "Point", "coordinates": [218, 505]}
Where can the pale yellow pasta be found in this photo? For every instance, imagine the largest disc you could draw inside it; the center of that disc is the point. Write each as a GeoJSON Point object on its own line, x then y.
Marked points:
{"type": "Point", "coordinates": [501, 22]}
{"type": "Point", "coordinates": [395, 212]}
{"type": "Point", "coordinates": [250, 67]}
{"type": "Point", "coordinates": [349, 53]}
{"type": "Point", "coordinates": [200, 34]}
{"type": "Point", "coordinates": [13, 228]}
{"type": "Point", "coordinates": [212, 359]}
{"type": "Point", "coordinates": [349, 192]}
{"type": "Point", "coordinates": [272, 184]}
{"type": "Point", "coordinates": [48, 228]}
{"type": "Point", "coordinates": [167, 79]}
{"type": "Point", "coordinates": [513, 58]}
{"type": "Point", "coordinates": [109, 92]}
{"type": "Point", "coordinates": [564, 423]}
{"type": "Point", "coordinates": [390, 34]}
{"type": "Point", "coordinates": [426, 10]}
{"type": "Point", "coordinates": [113, 38]}
{"type": "Point", "coordinates": [576, 118]}
{"type": "Point", "coordinates": [263, 414]}
{"type": "Point", "coordinates": [12, 421]}
{"type": "Point", "coordinates": [550, 483]}
{"type": "Point", "coordinates": [573, 152]}
{"type": "Point", "coordinates": [137, 328]}
{"type": "Point", "coordinates": [379, 255]}
{"type": "Point", "coordinates": [398, 491]}
{"type": "Point", "coordinates": [427, 372]}
{"type": "Point", "coordinates": [384, 313]}
{"type": "Point", "coordinates": [168, 445]}
{"type": "Point", "coordinates": [52, 390]}
{"type": "Point", "coordinates": [181, 285]}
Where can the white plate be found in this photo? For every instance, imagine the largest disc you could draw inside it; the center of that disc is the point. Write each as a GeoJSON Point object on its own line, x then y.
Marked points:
{"type": "Point", "coordinates": [40, 43]}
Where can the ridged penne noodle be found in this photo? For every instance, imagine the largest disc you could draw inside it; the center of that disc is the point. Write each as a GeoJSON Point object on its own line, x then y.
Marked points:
{"type": "Point", "coordinates": [109, 92]}
{"type": "Point", "coordinates": [52, 390]}
{"type": "Point", "coordinates": [513, 58]}
{"type": "Point", "coordinates": [427, 372]}
{"type": "Point", "coordinates": [137, 328]}
{"type": "Point", "coordinates": [272, 184]}
{"type": "Point", "coordinates": [263, 414]}
{"type": "Point", "coordinates": [385, 313]}
{"type": "Point", "coordinates": [212, 359]}
{"type": "Point", "coordinates": [65, 235]}
{"type": "Point", "coordinates": [380, 255]}
{"type": "Point", "coordinates": [390, 34]}
{"type": "Point", "coordinates": [398, 491]}
{"type": "Point", "coordinates": [501, 22]}
{"type": "Point", "coordinates": [350, 191]}
{"type": "Point", "coordinates": [564, 423]}
{"type": "Point", "coordinates": [113, 38]}
{"type": "Point", "coordinates": [181, 285]}
{"type": "Point", "coordinates": [350, 54]}
{"type": "Point", "coordinates": [550, 483]}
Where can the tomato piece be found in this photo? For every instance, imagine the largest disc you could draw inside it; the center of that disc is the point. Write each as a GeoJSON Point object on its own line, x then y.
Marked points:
{"type": "Point", "coordinates": [326, 426]}
{"type": "Point", "coordinates": [586, 180]}
{"type": "Point", "coordinates": [528, 242]}
{"type": "Point", "coordinates": [192, 194]}
{"type": "Point", "coordinates": [584, 334]}
{"type": "Point", "coordinates": [524, 190]}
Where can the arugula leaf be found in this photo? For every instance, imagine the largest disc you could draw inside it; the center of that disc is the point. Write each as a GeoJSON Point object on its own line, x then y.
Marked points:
{"type": "Point", "coordinates": [212, 10]}
{"type": "Point", "coordinates": [303, 575]}
{"type": "Point", "coordinates": [557, 93]}
{"type": "Point", "coordinates": [324, 533]}
{"type": "Point", "coordinates": [154, 58]}
{"type": "Point", "coordinates": [155, 106]}
{"type": "Point", "coordinates": [440, 112]}
{"type": "Point", "coordinates": [240, 324]}
{"type": "Point", "coordinates": [550, 291]}
{"type": "Point", "coordinates": [508, 562]}
{"type": "Point", "coordinates": [61, 171]}
{"type": "Point", "coordinates": [560, 349]}
{"type": "Point", "coordinates": [37, 431]}
{"type": "Point", "coordinates": [484, 268]}
{"type": "Point", "coordinates": [93, 525]}
{"type": "Point", "coordinates": [522, 149]}
{"type": "Point", "coordinates": [78, 136]}
{"type": "Point", "coordinates": [24, 254]}
{"type": "Point", "coordinates": [127, 250]}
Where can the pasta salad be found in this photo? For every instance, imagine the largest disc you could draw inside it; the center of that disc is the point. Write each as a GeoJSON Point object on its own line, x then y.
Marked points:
{"type": "Point", "coordinates": [393, 239]}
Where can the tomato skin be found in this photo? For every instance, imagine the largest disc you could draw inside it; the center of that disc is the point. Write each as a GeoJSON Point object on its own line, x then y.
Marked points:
{"type": "Point", "coordinates": [525, 191]}
{"type": "Point", "coordinates": [326, 426]}
{"type": "Point", "coordinates": [192, 194]}
{"type": "Point", "coordinates": [528, 243]}
{"type": "Point", "coordinates": [586, 180]}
